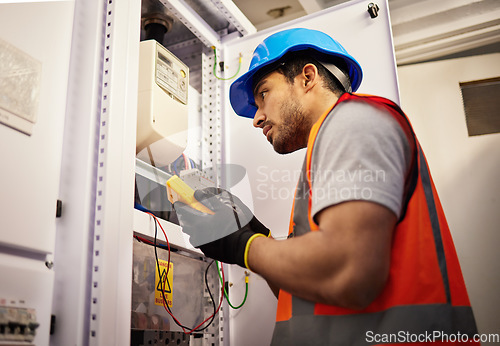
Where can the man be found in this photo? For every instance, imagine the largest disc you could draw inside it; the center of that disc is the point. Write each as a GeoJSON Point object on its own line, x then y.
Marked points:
{"type": "Point", "coordinates": [373, 251]}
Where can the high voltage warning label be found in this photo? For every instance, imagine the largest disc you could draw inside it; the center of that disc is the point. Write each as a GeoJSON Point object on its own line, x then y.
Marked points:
{"type": "Point", "coordinates": [161, 285]}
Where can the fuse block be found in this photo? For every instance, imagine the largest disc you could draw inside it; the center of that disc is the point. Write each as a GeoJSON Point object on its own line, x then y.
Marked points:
{"type": "Point", "coordinates": [17, 324]}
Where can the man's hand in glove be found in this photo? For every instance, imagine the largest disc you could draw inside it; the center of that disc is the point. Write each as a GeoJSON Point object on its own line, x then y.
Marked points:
{"type": "Point", "coordinates": [226, 235]}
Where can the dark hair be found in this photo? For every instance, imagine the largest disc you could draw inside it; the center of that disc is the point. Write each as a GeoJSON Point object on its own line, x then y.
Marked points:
{"type": "Point", "coordinates": [293, 63]}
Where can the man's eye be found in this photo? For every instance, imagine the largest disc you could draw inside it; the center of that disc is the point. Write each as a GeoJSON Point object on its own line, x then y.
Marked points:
{"type": "Point", "coordinates": [262, 94]}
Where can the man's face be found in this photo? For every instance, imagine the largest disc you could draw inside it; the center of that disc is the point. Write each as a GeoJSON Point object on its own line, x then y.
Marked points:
{"type": "Point", "coordinates": [280, 113]}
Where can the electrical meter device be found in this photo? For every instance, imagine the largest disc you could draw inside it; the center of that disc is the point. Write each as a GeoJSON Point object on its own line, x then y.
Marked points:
{"type": "Point", "coordinates": [162, 111]}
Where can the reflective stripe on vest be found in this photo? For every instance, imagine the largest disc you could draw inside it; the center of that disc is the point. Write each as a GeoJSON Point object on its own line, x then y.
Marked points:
{"type": "Point", "coordinates": [425, 291]}
{"type": "Point", "coordinates": [438, 242]}
{"type": "Point", "coordinates": [397, 323]}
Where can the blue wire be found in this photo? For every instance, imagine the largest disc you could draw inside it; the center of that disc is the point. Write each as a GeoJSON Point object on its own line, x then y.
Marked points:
{"type": "Point", "coordinates": [141, 208]}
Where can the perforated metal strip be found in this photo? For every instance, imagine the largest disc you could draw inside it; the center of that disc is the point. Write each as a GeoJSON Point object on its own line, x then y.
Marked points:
{"type": "Point", "coordinates": [211, 139]}
{"type": "Point", "coordinates": [100, 173]}
{"type": "Point", "coordinates": [234, 16]}
{"type": "Point", "coordinates": [211, 119]}
{"type": "Point", "coordinates": [192, 20]}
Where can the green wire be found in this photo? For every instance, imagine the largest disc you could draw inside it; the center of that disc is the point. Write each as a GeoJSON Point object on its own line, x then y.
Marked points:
{"type": "Point", "coordinates": [225, 292]}
{"type": "Point", "coordinates": [215, 65]}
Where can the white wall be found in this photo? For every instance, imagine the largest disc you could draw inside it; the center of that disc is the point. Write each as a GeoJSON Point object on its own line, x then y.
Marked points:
{"type": "Point", "coordinates": [465, 170]}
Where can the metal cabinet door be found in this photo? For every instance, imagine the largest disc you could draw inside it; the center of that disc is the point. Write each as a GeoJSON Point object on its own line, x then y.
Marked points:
{"type": "Point", "coordinates": [31, 163]}
{"type": "Point", "coordinates": [35, 42]}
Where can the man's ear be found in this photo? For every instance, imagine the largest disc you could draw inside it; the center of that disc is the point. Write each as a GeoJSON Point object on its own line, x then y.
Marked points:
{"type": "Point", "coordinates": [310, 76]}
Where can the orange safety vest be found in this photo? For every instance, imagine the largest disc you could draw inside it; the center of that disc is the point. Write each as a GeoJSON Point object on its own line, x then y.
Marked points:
{"type": "Point", "coordinates": [425, 295]}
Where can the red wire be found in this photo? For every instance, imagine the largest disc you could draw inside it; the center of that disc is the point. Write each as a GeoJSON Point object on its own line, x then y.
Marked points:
{"type": "Point", "coordinates": [166, 238]}
{"type": "Point", "coordinates": [144, 240]}
{"type": "Point", "coordinates": [164, 285]}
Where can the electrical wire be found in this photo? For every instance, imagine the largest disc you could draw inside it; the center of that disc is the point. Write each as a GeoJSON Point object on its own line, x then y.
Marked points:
{"type": "Point", "coordinates": [167, 308]}
{"type": "Point", "coordinates": [185, 329]}
{"type": "Point", "coordinates": [215, 65]}
{"type": "Point", "coordinates": [225, 292]}
{"type": "Point", "coordinates": [149, 242]}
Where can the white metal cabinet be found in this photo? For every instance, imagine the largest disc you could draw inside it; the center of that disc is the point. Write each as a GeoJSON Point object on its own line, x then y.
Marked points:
{"type": "Point", "coordinates": [30, 168]}
{"type": "Point", "coordinates": [92, 264]}
{"type": "Point", "coordinates": [369, 40]}
{"type": "Point", "coordinates": [94, 246]}
{"type": "Point", "coordinates": [81, 151]}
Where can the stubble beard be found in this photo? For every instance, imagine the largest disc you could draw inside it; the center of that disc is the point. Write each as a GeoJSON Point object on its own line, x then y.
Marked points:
{"type": "Point", "coordinates": [293, 132]}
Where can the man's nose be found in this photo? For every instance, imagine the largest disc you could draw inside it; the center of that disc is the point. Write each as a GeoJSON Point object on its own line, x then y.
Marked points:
{"type": "Point", "coordinates": [259, 118]}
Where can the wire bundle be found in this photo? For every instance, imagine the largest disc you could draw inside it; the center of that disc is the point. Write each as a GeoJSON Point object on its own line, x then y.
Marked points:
{"type": "Point", "coordinates": [206, 323]}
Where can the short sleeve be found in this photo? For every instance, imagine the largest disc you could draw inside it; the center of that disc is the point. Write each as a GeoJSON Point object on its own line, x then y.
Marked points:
{"type": "Point", "coordinates": [360, 153]}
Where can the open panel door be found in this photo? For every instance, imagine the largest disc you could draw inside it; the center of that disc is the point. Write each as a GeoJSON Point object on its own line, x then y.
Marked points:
{"type": "Point", "coordinates": [35, 42]}
{"type": "Point", "coordinates": [270, 179]}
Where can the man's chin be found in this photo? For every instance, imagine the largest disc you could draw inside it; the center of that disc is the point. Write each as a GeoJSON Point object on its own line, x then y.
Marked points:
{"type": "Point", "coordinates": [283, 149]}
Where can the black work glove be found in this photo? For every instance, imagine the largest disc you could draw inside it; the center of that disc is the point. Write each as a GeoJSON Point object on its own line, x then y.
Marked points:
{"type": "Point", "coordinates": [225, 235]}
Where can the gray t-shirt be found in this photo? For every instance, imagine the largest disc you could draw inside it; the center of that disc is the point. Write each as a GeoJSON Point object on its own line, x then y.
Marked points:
{"type": "Point", "coordinates": [360, 153]}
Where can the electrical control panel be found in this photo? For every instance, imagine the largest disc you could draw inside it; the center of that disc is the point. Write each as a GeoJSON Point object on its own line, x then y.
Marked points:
{"type": "Point", "coordinates": [175, 295]}
{"type": "Point", "coordinates": [88, 69]}
{"type": "Point", "coordinates": [162, 111]}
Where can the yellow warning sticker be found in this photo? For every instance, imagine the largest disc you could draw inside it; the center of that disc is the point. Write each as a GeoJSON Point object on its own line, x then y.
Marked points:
{"type": "Point", "coordinates": [163, 283]}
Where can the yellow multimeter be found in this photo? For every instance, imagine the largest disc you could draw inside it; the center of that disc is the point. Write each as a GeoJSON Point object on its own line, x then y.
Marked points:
{"type": "Point", "coordinates": [178, 190]}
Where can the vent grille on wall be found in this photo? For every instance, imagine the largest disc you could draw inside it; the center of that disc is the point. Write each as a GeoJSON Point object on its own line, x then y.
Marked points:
{"type": "Point", "coordinates": [481, 100]}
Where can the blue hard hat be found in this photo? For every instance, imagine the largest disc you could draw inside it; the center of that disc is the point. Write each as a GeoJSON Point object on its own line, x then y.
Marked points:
{"type": "Point", "coordinates": [273, 48]}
